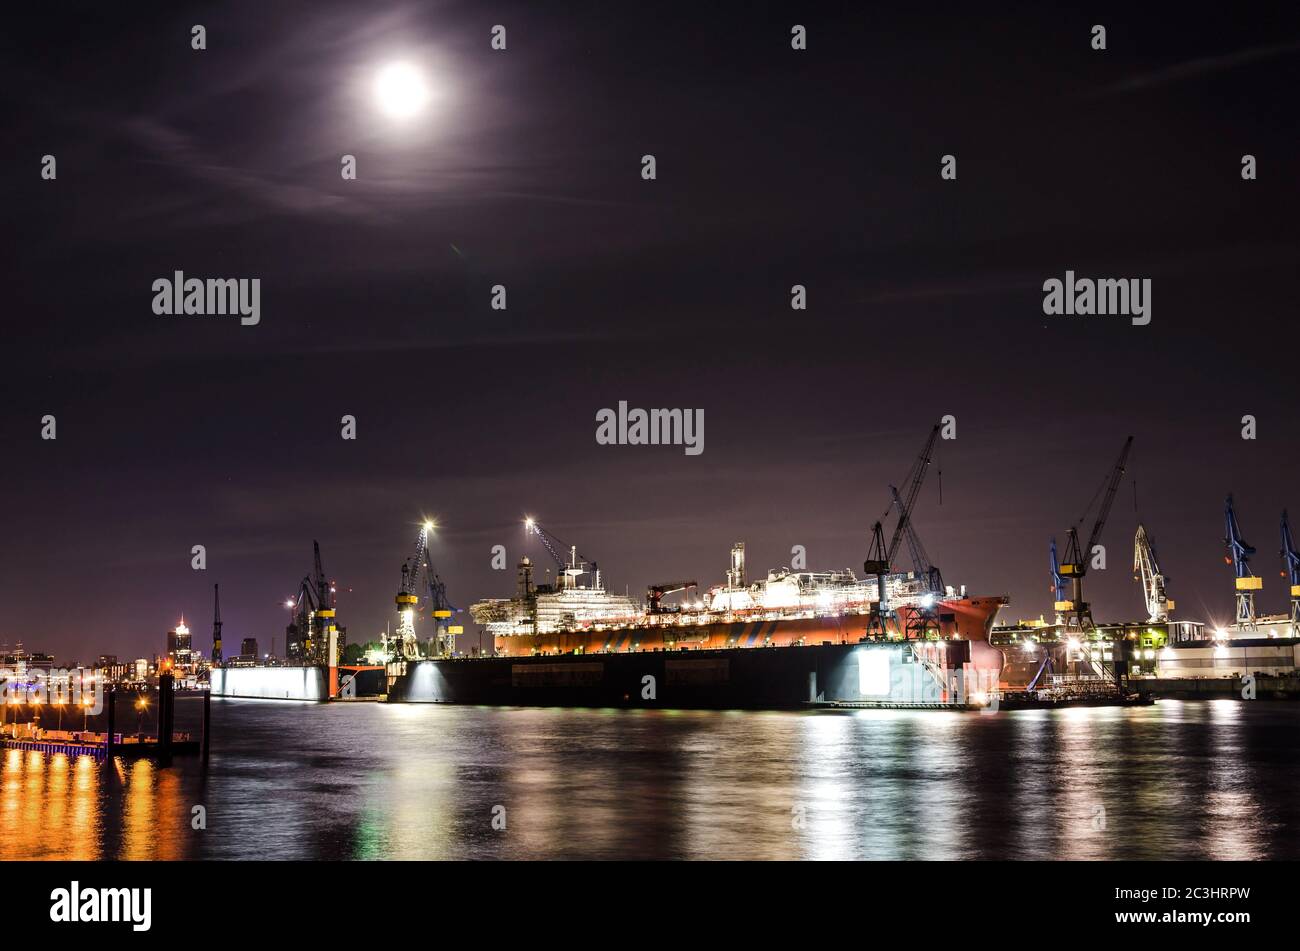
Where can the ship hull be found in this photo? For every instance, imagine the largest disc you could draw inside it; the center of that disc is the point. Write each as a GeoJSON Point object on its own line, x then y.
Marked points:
{"type": "Point", "coordinates": [968, 619]}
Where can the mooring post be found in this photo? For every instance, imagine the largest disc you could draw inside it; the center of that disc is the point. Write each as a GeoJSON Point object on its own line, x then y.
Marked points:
{"type": "Point", "coordinates": [165, 700]}
{"type": "Point", "coordinates": [110, 696]}
{"type": "Point", "coordinates": [207, 721]}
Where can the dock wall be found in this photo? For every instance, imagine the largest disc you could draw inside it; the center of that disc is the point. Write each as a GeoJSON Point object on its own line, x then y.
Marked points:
{"type": "Point", "coordinates": [271, 683]}
{"type": "Point", "coordinates": [768, 678]}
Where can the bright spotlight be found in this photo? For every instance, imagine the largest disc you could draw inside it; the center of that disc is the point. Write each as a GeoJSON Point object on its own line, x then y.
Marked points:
{"type": "Point", "coordinates": [400, 90]}
{"type": "Point", "coordinates": [428, 525]}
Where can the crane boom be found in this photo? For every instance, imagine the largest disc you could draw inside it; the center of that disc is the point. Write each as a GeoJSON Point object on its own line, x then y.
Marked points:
{"type": "Point", "coordinates": [1146, 570]}
{"type": "Point", "coordinates": [1291, 568]}
{"type": "Point", "coordinates": [1245, 584]}
{"type": "Point", "coordinates": [916, 477]}
{"type": "Point", "coordinates": [1290, 557]}
{"type": "Point", "coordinates": [1076, 612]}
{"type": "Point", "coordinates": [920, 559]}
{"type": "Point", "coordinates": [576, 559]}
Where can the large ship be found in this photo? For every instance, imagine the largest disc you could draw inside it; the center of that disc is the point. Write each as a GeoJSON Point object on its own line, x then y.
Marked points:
{"type": "Point", "coordinates": [577, 615]}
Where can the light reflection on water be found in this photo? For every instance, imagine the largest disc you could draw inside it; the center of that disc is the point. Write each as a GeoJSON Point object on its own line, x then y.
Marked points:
{"type": "Point", "coordinates": [1177, 780]}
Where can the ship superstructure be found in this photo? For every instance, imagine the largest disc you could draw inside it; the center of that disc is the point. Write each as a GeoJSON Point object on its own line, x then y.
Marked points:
{"type": "Point", "coordinates": [786, 608]}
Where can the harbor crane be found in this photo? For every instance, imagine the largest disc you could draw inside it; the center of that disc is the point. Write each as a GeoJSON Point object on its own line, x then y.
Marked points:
{"type": "Point", "coordinates": [1074, 610]}
{"type": "Point", "coordinates": [309, 635]}
{"type": "Point", "coordinates": [880, 558]}
{"type": "Point", "coordinates": [877, 564]}
{"type": "Point", "coordinates": [920, 560]}
{"type": "Point", "coordinates": [915, 479]}
{"type": "Point", "coordinates": [216, 624]}
{"type": "Point", "coordinates": [440, 610]}
{"type": "Point", "coordinates": [654, 595]}
{"type": "Point", "coordinates": [1246, 583]}
{"type": "Point", "coordinates": [1146, 570]}
{"type": "Point", "coordinates": [1291, 570]}
{"type": "Point", "coordinates": [404, 646]}
{"type": "Point", "coordinates": [574, 567]}
{"type": "Point", "coordinates": [1058, 584]}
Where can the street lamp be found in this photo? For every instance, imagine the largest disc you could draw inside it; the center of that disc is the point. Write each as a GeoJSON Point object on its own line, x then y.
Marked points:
{"type": "Point", "coordinates": [85, 714]}
{"type": "Point", "coordinates": [140, 706]}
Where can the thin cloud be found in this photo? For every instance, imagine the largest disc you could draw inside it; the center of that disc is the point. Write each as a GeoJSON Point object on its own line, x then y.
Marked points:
{"type": "Point", "coordinates": [1202, 66]}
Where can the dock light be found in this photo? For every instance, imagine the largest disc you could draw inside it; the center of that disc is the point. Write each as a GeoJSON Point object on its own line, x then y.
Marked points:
{"type": "Point", "coordinates": [528, 524]}
{"type": "Point", "coordinates": [1072, 644]}
{"type": "Point", "coordinates": [429, 526]}
{"type": "Point", "coordinates": [927, 601]}
{"type": "Point", "coordinates": [1220, 632]}
{"type": "Point", "coordinates": [289, 603]}
{"type": "Point", "coordinates": [1167, 654]}
{"type": "Point", "coordinates": [1220, 650]}
{"type": "Point", "coordinates": [980, 699]}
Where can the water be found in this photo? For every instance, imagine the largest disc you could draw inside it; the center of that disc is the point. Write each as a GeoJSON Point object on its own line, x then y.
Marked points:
{"type": "Point", "coordinates": [1210, 780]}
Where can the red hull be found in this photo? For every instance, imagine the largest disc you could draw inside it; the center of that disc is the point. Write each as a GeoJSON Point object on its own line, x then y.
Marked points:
{"type": "Point", "coordinates": [961, 618]}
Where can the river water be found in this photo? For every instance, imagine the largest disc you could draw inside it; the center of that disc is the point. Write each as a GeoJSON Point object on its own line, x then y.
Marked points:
{"type": "Point", "coordinates": [1213, 780]}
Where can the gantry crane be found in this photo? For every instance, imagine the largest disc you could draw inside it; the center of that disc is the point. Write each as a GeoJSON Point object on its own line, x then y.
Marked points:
{"type": "Point", "coordinates": [1075, 612]}
{"type": "Point", "coordinates": [1246, 583]}
{"type": "Point", "coordinates": [1146, 571]}
{"type": "Point", "coordinates": [1291, 570]}
{"type": "Point", "coordinates": [404, 646]}
{"type": "Point", "coordinates": [440, 611]}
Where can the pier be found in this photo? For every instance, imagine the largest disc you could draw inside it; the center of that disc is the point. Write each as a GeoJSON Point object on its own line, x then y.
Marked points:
{"type": "Point", "coordinates": [162, 745]}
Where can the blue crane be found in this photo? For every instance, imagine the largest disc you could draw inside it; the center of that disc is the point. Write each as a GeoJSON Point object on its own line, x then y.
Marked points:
{"type": "Point", "coordinates": [1291, 564]}
{"type": "Point", "coordinates": [1246, 583]}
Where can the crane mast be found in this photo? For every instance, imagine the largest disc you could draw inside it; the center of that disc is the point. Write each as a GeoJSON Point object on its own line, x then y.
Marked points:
{"type": "Point", "coordinates": [877, 563]}
{"type": "Point", "coordinates": [1075, 611]}
{"type": "Point", "coordinates": [1146, 570]}
{"type": "Point", "coordinates": [920, 559]}
{"type": "Point", "coordinates": [1291, 569]}
{"type": "Point", "coordinates": [440, 610]}
{"type": "Point", "coordinates": [916, 478]}
{"type": "Point", "coordinates": [403, 646]}
{"type": "Point", "coordinates": [216, 624]}
{"type": "Point", "coordinates": [1239, 553]}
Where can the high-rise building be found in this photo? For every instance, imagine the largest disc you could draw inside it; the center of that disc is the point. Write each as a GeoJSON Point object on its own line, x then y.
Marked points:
{"type": "Point", "coordinates": [179, 649]}
{"type": "Point", "coordinates": [248, 647]}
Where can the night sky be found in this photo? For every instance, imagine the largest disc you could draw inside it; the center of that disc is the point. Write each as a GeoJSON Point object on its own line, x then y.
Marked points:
{"type": "Point", "coordinates": [775, 167]}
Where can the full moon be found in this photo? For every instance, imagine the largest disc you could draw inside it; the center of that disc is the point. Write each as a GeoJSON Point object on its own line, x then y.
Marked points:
{"type": "Point", "coordinates": [400, 90]}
